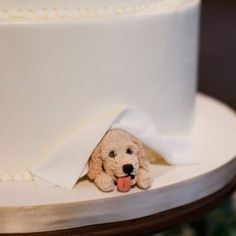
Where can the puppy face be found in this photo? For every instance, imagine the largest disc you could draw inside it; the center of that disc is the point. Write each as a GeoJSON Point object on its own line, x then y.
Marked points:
{"type": "Point", "coordinates": [120, 155]}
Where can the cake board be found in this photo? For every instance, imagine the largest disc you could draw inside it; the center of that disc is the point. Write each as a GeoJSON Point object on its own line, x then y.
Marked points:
{"type": "Point", "coordinates": [26, 208]}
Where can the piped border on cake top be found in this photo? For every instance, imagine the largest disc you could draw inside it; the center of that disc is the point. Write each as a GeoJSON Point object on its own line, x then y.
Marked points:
{"type": "Point", "coordinates": [70, 12]}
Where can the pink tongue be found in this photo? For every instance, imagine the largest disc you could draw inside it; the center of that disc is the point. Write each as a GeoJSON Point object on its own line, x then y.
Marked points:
{"type": "Point", "coordinates": [124, 184]}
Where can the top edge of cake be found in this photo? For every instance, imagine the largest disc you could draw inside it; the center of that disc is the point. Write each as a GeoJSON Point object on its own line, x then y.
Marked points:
{"type": "Point", "coordinates": [31, 10]}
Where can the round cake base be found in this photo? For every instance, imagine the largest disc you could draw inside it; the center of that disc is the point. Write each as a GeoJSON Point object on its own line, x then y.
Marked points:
{"type": "Point", "coordinates": [24, 207]}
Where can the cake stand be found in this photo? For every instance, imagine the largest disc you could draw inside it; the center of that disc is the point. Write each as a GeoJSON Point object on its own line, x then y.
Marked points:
{"type": "Point", "coordinates": [177, 192]}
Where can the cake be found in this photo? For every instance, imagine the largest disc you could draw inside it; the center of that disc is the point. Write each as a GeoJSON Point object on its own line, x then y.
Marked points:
{"type": "Point", "coordinates": [79, 77]}
{"type": "Point", "coordinates": [63, 63]}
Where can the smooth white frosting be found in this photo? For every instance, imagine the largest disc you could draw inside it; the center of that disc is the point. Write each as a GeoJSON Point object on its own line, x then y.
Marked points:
{"type": "Point", "coordinates": [55, 75]}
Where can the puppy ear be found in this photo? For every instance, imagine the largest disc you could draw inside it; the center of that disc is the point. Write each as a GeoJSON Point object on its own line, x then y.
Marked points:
{"type": "Point", "coordinates": [143, 159]}
{"type": "Point", "coordinates": [95, 164]}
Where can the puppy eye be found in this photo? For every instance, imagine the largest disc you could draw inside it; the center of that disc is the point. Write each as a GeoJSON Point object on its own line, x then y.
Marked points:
{"type": "Point", "coordinates": [112, 154]}
{"type": "Point", "coordinates": [129, 151]}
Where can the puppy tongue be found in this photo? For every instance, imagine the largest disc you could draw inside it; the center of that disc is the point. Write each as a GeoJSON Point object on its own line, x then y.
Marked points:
{"type": "Point", "coordinates": [124, 184]}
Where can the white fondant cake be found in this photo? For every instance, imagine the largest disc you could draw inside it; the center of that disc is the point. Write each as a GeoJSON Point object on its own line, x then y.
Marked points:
{"type": "Point", "coordinates": [65, 62]}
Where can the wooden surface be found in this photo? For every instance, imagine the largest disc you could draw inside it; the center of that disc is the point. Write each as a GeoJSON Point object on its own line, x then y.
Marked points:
{"type": "Point", "coordinates": [150, 224]}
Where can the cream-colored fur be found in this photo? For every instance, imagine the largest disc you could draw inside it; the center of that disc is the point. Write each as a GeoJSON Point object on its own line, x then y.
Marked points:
{"type": "Point", "coordinates": [116, 149]}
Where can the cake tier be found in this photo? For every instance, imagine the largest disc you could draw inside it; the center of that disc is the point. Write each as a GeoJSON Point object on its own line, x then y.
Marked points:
{"type": "Point", "coordinates": [56, 74]}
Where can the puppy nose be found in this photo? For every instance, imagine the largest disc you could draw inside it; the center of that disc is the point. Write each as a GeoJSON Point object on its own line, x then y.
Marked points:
{"type": "Point", "coordinates": [128, 168]}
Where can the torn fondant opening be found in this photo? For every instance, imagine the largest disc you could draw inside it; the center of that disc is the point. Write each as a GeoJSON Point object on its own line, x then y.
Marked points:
{"type": "Point", "coordinates": [67, 163]}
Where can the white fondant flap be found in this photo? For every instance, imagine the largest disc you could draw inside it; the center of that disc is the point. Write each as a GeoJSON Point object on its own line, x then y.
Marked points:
{"type": "Point", "coordinates": [67, 163]}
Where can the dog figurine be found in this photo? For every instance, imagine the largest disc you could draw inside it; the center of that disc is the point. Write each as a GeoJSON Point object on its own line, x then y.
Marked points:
{"type": "Point", "coordinates": [119, 159]}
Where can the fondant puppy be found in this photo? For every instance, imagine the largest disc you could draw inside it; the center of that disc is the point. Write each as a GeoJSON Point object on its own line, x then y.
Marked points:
{"type": "Point", "coordinates": [119, 158]}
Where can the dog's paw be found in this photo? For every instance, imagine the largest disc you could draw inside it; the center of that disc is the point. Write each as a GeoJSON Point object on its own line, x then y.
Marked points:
{"type": "Point", "coordinates": [144, 180]}
{"type": "Point", "coordinates": [104, 182]}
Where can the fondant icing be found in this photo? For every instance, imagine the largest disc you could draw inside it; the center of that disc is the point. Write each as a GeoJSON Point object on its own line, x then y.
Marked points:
{"type": "Point", "coordinates": [58, 73]}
